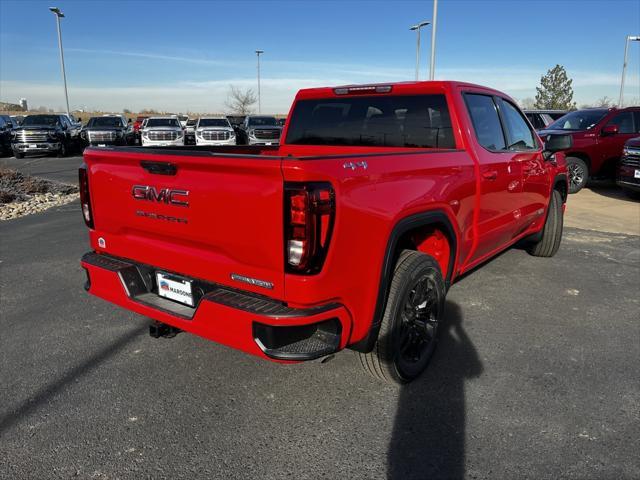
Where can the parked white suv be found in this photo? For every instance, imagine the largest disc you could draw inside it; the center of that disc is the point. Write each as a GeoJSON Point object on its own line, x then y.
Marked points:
{"type": "Point", "coordinates": [215, 131]}
{"type": "Point", "coordinates": [162, 132]}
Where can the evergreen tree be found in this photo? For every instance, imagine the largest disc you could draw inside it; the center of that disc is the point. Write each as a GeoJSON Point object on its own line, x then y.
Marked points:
{"type": "Point", "coordinates": [555, 91]}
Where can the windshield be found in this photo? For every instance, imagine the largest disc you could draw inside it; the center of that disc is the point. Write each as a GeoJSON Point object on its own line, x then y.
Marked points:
{"type": "Point", "coordinates": [213, 122]}
{"type": "Point", "coordinates": [49, 120]}
{"type": "Point", "coordinates": [104, 122]}
{"type": "Point", "coordinates": [163, 122]}
{"type": "Point", "coordinates": [262, 121]}
{"type": "Point", "coordinates": [579, 120]}
{"type": "Point", "coordinates": [418, 121]}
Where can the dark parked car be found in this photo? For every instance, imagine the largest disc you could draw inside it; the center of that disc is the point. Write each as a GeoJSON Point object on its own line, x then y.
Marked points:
{"type": "Point", "coordinates": [599, 134]}
{"type": "Point", "coordinates": [259, 130]}
{"type": "Point", "coordinates": [236, 121]}
{"type": "Point", "coordinates": [628, 176]}
{"type": "Point", "coordinates": [46, 133]}
{"type": "Point", "coordinates": [190, 132]}
{"type": "Point", "coordinates": [542, 118]}
{"type": "Point", "coordinates": [6, 130]}
{"type": "Point", "coordinates": [107, 130]}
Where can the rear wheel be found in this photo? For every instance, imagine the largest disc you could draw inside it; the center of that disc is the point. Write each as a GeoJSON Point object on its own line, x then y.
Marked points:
{"type": "Point", "coordinates": [552, 231]}
{"type": "Point", "coordinates": [409, 328]}
{"type": "Point", "coordinates": [578, 174]}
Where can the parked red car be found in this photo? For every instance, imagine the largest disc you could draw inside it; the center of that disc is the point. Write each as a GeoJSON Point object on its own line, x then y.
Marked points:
{"type": "Point", "coordinates": [599, 134]}
{"type": "Point", "coordinates": [347, 235]}
{"type": "Point", "coordinates": [138, 123]}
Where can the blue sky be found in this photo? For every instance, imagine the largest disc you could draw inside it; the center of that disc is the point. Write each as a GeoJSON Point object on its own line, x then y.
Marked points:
{"type": "Point", "coordinates": [182, 56]}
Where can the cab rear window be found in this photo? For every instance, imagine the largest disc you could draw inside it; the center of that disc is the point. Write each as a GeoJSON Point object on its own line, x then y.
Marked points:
{"type": "Point", "coordinates": [413, 121]}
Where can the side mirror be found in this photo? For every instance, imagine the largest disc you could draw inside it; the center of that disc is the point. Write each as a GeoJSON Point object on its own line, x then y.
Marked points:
{"type": "Point", "coordinates": [609, 130]}
{"type": "Point", "coordinates": [556, 143]}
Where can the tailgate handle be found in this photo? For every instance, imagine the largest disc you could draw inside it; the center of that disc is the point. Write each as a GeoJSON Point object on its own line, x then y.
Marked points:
{"type": "Point", "coordinates": [159, 168]}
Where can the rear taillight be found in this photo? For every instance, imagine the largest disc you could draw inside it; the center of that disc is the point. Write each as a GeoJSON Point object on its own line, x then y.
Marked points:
{"type": "Point", "coordinates": [85, 198]}
{"type": "Point", "coordinates": [310, 211]}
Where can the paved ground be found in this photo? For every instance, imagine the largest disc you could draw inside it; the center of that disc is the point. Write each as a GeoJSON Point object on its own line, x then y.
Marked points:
{"type": "Point", "coordinates": [605, 207]}
{"type": "Point", "coordinates": [60, 169]}
{"type": "Point", "coordinates": [536, 376]}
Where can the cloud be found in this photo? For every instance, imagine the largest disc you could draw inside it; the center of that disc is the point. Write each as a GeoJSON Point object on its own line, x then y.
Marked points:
{"type": "Point", "coordinates": [278, 91]}
{"type": "Point", "coordinates": [154, 56]}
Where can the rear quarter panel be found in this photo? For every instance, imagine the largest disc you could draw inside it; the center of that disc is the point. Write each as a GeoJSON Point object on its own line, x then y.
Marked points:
{"type": "Point", "coordinates": [369, 203]}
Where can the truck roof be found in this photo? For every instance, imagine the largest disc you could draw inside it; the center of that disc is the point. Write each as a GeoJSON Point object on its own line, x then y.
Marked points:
{"type": "Point", "coordinates": [406, 88]}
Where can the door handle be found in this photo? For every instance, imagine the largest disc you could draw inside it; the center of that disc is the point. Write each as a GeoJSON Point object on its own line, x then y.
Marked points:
{"type": "Point", "coordinates": [491, 175]}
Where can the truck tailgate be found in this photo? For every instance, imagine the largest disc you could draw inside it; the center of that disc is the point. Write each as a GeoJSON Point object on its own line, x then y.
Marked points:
{"type": "Point", "coordinates": [215, 217]}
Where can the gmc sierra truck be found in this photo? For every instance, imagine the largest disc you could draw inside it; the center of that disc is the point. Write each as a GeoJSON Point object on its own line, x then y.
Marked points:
{"type": "Point", "coordinates": [346, 235]}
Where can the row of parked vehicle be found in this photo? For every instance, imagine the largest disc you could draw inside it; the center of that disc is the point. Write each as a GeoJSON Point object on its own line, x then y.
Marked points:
{"type": "Point", "coordinates": [61, 134]}
{"type": "Point", "coordinates": [178, 130]}
{"type": "Point", "coordinates": [599, 136]}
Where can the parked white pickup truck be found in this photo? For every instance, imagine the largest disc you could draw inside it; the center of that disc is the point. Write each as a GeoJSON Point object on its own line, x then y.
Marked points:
{"type": "Point", "coordinates": [215, 131]}
{"type": "Point", "coordinates": [162, 132]}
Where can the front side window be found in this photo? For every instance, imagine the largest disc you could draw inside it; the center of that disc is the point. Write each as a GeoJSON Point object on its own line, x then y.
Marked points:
{"type": "Point", "coordinates": [486, 121]}
{"type": "Point", "coordinates": [520, 135]}
{"type": "Point", "coordinates": [414, 121]}
{"type": "Point", "coordinates": [624, 121]}
{"type": "Point", "coordinates": [579, 120]}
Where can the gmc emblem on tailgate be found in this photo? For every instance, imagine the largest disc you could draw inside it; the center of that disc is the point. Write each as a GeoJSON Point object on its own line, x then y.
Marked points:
{"type": "Point", "coordinates": [164, 195]}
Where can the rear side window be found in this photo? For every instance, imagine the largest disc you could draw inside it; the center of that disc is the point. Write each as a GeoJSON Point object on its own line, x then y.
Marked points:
{"type": "Point", "coordinates": [415, 121]}
{"type": "Point", "coordinates": [486, 123]}
{"type": "Point", "coordinates": [520, 135]}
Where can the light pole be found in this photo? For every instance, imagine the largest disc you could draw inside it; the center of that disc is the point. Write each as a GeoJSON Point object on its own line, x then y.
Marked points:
{"type": "Point", "coordinates": [56, 11]}
{"type": "Point", "coordinates": [630, 38]}
{"type": "Point", "coordinates": [417, 29]}
{"type": "Point", "coordinates": [432, 68]}
{"type": "Point", "coordinates": [258, 53]}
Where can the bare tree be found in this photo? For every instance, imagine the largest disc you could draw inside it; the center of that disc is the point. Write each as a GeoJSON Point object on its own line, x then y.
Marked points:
{"type": "Point", "coordinates": [240, 101]}
{"type": "Point", "coordinates": [604, 102]}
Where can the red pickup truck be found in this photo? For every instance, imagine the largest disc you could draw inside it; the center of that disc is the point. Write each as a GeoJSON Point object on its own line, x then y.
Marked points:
{"type": "Point", "coordinates": [346, 235]}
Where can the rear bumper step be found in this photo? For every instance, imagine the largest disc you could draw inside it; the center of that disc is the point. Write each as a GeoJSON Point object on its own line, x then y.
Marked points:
{"type": "Point", "coordinates": [258, 325]}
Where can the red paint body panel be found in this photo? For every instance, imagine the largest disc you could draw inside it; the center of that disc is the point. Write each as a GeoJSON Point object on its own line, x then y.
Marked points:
{"type": "Point", "coordinates": [234, 221]}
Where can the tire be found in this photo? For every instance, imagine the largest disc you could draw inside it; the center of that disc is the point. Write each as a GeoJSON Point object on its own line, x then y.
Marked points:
{"type": "Point", "coordinates": [408, 333]}
{"type": "Point", "coordinates": [19, 155]}
{"type": "Point", "coordinates": [63, 152]}
{"type": "Point", "coordinates": [552, 230]}
{"type": "Point", "coordinates": [633, 194]}
{"type": "Point", "coordinates": [578, 174]}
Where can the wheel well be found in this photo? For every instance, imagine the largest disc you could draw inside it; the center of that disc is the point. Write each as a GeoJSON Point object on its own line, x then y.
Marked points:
{"type": "Point", "coordinates": [430, 232]}
{"type": "Point", "coordinates": [561, 186]}
{"type": "Point", "coordinates": [431, 239]}
{"type": "Point", "coordinates": [582, 156]}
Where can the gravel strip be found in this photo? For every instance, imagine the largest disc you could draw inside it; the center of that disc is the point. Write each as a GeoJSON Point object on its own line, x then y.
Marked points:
{"type": "Point", "coordinates": [22, 195]}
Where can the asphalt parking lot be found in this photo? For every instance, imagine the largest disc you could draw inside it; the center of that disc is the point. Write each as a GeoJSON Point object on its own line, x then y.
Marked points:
{"type": "Point", "coordinates": [535, 376]}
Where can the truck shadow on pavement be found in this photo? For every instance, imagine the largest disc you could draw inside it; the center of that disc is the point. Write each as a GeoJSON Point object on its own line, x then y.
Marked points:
{"type": "Point", "coordinates": [47, 392]}
{"type": "Point", "coordinates": [428, 439]}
